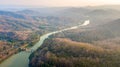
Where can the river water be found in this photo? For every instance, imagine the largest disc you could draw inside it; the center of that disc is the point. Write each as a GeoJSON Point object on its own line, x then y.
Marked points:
{"type": "Point", "coordinates": [21, 59]}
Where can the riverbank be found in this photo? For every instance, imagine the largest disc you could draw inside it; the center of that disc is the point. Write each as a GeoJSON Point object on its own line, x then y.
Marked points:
{"type": "Point", "coordinates": [13, 51]}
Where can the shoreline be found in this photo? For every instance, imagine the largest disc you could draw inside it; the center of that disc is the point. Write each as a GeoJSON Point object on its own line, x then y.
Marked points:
{"type": "Point", "coordinates": [18, 50]}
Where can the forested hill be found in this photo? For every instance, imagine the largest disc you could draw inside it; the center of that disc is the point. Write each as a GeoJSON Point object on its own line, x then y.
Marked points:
{"type": "Point", "coordinates": [92, 46]}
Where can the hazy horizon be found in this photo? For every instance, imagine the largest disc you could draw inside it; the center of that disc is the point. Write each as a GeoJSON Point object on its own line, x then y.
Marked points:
{"type": "Point", "coordinates": [58, 3]}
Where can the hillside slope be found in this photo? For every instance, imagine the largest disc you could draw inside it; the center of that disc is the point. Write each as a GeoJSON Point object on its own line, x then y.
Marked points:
{"type": "Point", "coordinates": [60, 52]}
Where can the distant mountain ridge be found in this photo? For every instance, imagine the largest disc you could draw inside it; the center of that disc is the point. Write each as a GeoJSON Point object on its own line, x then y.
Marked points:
{"type": "Point", "coordinates": [11, 14]}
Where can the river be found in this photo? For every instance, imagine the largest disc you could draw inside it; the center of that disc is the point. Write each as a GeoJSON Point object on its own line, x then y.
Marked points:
{"type": "Point", "coordinates": [21, 59]}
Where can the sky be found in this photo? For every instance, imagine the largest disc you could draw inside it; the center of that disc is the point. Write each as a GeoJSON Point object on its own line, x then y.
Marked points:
{"type": "Point", "coordinates": [59, 3]}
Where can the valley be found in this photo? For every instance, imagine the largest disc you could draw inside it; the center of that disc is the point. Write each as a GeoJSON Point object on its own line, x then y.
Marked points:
{"type": "Point", "coordinates": [60, 37]}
